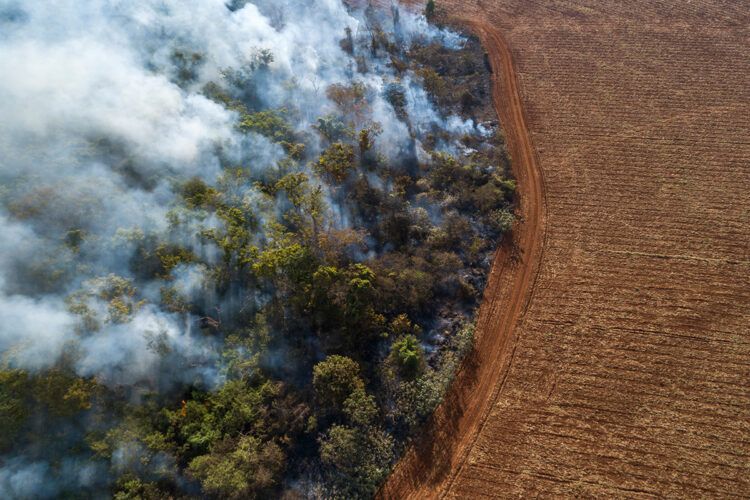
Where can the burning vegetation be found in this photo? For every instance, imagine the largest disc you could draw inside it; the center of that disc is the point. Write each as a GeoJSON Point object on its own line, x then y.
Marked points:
{"type": "Point", "coordinates": [262, 281]}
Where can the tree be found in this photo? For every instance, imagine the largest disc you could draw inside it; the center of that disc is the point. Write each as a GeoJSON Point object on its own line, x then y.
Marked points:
{"type": "Point", "coordinates": [245, 468]}
{"type": "Point", "coordinates": [360, 408]}
{"type": "Point", "coordinates": [63, 393]}
{"type": "Point", "coordinates": [336, 162]}
{"type": "Point", "coordinates": [395, 94]}
{"type": "Point", "coordinates": [283, 257]}
{"type": "Point", "coordinates": [334, 380]}
{"type": "Point", "coordinates": [359, 296]}
{"type": "Point", "coordinates": [198, 194]}
{"type": "Point", "coordinates": [331, 127]}
{"type": "Point", "coordinates": [327, 297]}
{"type": "Point", "coordinates": [271, 124]}
{"type": "Point", "coordinates": [358, 459]}
{"type": "Point", "coordinates": [237, 408]}
{"type": "Point", "coordinates": [350, 99]}
{"type": "Point", "coordinates": [434, 84]}
{"type": "Point", "coordinates": [347, 44]}
{"type": "Point", "coordinates": [429, 9]}
{"type": "Point", "coordinates": [401, 325]}
{"type": "Point", "coordinates": [130, 487]}
{"type": "Point", "coordinates": [403, 284]}
{"type": "Point", "coordinates": [13, 408]}
{"type": "Point", "coordinates": [367, 137]}
{"type": "Point", "coordinates": [340, 304]}
{"type": "Point", "coordinates": [295, 185]}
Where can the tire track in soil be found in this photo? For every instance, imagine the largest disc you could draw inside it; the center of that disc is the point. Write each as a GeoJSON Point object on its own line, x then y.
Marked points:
{"type": "Point", "coordinates": [430, 465]}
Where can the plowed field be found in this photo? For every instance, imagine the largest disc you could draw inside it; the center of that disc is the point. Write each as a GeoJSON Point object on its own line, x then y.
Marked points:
{"type": "Point", "coordinates": [613, 351]}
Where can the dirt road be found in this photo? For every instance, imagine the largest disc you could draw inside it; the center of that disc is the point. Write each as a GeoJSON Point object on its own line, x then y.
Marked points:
{"type": "Point", "coordinates": [613, 357]}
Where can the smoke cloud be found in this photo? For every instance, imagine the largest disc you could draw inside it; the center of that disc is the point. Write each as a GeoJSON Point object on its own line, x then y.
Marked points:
{"type": "Point", "coordinates": [102, 113]}
{"type": "Point", "coordinates": [97, 127]}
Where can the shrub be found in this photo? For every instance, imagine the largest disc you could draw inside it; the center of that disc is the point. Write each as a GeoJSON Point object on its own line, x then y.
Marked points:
{"type": "Point", "coordinates": [501, 220]}
{"type": "Point", "coordinates": [408, 356]}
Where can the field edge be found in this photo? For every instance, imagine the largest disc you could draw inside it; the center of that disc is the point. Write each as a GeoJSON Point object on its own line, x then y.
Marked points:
{"type": "Point", "coordinates": [432, 462]}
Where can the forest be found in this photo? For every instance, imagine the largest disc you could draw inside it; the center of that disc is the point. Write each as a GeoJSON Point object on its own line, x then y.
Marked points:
{"type": "Point", "coordinates": [263, 290]}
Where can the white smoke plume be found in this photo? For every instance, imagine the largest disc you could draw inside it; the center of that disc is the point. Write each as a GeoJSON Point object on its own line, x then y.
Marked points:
{"type": "Point", "coordinates": [75, 73]}
{"type": "Point", "coordinates": [102, 112]}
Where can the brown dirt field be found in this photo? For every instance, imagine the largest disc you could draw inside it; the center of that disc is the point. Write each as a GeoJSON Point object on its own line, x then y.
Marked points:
{"type": "Point", "coordinates": [613, 354]}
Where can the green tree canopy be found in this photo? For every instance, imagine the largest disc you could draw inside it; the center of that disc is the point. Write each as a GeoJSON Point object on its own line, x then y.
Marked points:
{"type": "Point", "coordinates": [335, 379]}
{"type": "Point", "coordinates": [357, 459]}
{"type": "Point", "coordinates": [336, 162]}
{"type": "Point", "coordinates": [242, 468]}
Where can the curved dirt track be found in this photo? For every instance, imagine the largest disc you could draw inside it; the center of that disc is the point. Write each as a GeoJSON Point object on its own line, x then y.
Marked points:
{"type": "Point", "coordinates": [435, 458]}
{"type": "Point", "coordinates": [613, 356]}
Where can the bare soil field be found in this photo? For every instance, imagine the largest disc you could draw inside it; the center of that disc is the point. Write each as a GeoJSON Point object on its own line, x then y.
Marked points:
{"type": "Point", "coordinates": [613, 350]}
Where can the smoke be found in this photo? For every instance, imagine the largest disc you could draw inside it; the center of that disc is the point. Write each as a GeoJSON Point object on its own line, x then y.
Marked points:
{"type": "Point", "coordinates": [34, 329]}
{"type": "Point", "coordinates": [102, 113]}
{"type": "Point", "coordinates": [23, 479]}
{"type": "Point", "coordinates": [97, 126]}
{"type": "Point", "coordinates": [26, 480]}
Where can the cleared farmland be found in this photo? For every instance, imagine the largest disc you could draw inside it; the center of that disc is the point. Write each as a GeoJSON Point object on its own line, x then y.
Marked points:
{"type": "Point", "coordinates": [625, 368]}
